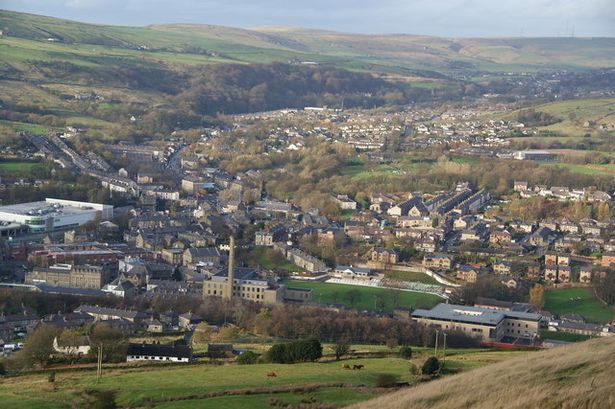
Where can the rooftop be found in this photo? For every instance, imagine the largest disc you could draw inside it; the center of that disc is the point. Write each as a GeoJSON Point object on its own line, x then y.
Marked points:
{"type": "Point", "coordinates": [473, 315]}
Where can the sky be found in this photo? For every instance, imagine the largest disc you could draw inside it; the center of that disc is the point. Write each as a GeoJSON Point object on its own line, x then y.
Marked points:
{"type": "Point", "coordinates": [447, 18]}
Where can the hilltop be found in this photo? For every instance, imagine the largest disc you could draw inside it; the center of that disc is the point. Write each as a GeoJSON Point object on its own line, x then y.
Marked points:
{"type": "Point", "coordinates": [393, 53]}
{"type": "Point", "coordinates": [576, 376]}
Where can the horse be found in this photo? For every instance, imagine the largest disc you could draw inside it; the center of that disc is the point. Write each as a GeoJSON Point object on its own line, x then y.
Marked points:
{"type": "Point", "coordinates": [271, 374]}
{"type": "Point", "coordinates": [358, 366]}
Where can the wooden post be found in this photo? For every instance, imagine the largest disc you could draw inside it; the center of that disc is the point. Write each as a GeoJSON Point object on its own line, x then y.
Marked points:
{"type": "Point", "coordinates": [435, 351]}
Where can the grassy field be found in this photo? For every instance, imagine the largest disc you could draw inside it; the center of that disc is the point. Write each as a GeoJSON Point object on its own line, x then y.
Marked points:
{"type": "Point", "coordinates": [25, 127]}
{"type": "Point", "coordinates": [575, 376]}
{"type": "Point", "coordinates": [589, 169]}
{"type": "Point", "coordinates": [564, 301]}
{"type": "Point", "coordinates": [14, 167]}
{"type": "Point", "coordinates": [563, 336]}
{"type": "Point", "coordinates": [573, 114]}
{"type": "Point", "coordinates": [366, 298]}
{"type": "Point", "coordinates": [188, 387]}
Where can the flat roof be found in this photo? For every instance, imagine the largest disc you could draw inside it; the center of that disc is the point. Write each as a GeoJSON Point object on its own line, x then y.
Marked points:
{"type": "Point", "coordinates": [45, 208]}
{"type": "Point", "coordinates": [472, 315]}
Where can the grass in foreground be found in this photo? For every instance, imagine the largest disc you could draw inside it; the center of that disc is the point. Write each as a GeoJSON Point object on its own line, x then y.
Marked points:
{"type": "Point", "coordinates": [579, 301]}
{"type": "Point", "coordinates": [366, 298]}
{"type": "Point", "coordinates": [574, 376]}
{"type": "Point", "coordinates": [186, 386]}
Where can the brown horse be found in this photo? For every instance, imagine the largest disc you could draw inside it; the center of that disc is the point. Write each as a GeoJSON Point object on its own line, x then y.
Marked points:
{"type": "Point", "coordinates": [271, 374]}
{"type": "Point", "coordinates": [345, 366]}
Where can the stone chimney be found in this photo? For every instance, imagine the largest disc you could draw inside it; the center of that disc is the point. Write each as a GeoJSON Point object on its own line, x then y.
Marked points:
{"type": "Point", "coordinates": [231, 269]}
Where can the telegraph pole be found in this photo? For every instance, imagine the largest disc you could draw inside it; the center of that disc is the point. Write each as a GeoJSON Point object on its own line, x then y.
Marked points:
{"type": "Point", "coordinates": [99, 364]}
{"type": "Point", "coordinates": [444, 350]}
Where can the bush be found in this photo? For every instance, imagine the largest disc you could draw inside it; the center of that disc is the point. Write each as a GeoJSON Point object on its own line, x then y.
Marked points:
{"type": "Point", "coordinates": [405, 352]}
{"type": "Point", "coordinates": [431, 366]}
{"type": "Point", "coordinates": [2, 368]}
{"type": "Point", "coordinates": [414, 370]}
{"type": "Point", "coordinates": [247, 358]}
{"type": "Point", "coordinates": [386, 380]}
{"type": "Point", "coordinates": [298, 351]}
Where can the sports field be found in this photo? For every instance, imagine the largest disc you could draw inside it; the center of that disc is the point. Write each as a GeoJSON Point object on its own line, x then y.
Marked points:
{"type": "Point", "coordinates": [579, 301]}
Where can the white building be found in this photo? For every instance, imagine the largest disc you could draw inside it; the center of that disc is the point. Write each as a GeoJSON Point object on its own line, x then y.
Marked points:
{"type": "Point", "coordinates": [55, 214]}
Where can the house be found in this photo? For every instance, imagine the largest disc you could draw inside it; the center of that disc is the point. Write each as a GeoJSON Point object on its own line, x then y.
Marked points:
{"type": "Point", "coordinates": [78, 346]}
{"type": "Point", "coordinates": [195, 255]}
{"type": "Point", "coordinates": [345, 203]}
{"type": "Point", "coordinates": [585, 275]}
{"type": "Point", "coordinates": [384, 255]}
{"type": "Point", "coordinates": [120, 287]}
{"type": "Point", "coordinates": [158, 353]}
{"type": "Point", "coordinates": [564, 274]}
{"type": "Point", "coordinates": [270, 236]}
{"type": "Point", "coordinates": [153, 325]}
{"type": "Point", "coordinates": [189, 320]}
{"type": "Point", "coordinates": [550, 272]}
{"type": "Point", "coordinates": [520, 186]}
{"type": "Point", "coordinates": [468, 274]}
{"type": "Point", "coordinates": [438, 261]}
{"type": "Point", "coordinates": [502, 267]}
{"type": "Point", "coordinates": [509, 282]}
{"type": "Point", "coordinates": [559, 259]}
{"type": "Point", "coordinates": [172, 256]}
{"type": "Point", "coordinates": [500, 237]}
{"type": "Point", "coordinates": [608, 259]}
{"type": "Point", "coordinates": [352, 273]}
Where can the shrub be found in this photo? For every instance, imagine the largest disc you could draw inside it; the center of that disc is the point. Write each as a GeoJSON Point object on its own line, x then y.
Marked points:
{"type": "Point", "coordinates": [51, 378]}
{"type": "Point", "coordinates": [405, 352]}
{"type": "Point", "coordinates": [414, 370]}
{"type": "Point", "coordinates": [247, 358]}
{"type": "Point", "coordinates": [431, 366]}
{"type": "Point", "coordinates": [298, 351]}
{"type": "Point", "coordinates": [386, 380]}
{"type": "Point", "coordinates": [2, 368]}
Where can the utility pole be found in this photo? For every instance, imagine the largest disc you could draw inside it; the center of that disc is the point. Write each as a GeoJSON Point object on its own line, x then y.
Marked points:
{"type": "Point", "coordinates": [444, 349]}
{"type": "Point", "coordinates": [435, 351]}
{"type": "Point", "coordinates": [99, 364]}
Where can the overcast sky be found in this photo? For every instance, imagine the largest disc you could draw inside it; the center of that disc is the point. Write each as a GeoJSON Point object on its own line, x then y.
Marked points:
{"type": "Point", "coordinates": [449, 18]}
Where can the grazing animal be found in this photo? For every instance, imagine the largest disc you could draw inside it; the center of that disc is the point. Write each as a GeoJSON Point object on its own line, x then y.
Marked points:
{"type": "Point", "coordinates": [358, 366]}
{"type": "Point", "coordinates": [271, 374]}
{"type": "Point", "coordinates": [346, 366]}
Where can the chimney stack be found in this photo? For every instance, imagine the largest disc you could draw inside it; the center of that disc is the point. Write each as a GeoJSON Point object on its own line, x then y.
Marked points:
{"type": "Point", "coordinates": [231, 268]}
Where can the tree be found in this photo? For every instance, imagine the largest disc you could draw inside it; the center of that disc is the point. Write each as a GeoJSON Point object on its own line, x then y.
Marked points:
{"type": "Point", "coordinates": [112, 340]}
{"type": "Point", "coordinates": [38, 346]}
{"type": "Point", "coordinates": [297, 351]}
{"type": "Point", "coordinates": [202, 333]}
{"type": "Point", "coordinates": [247, 358]}
{"type": "Point", "coordinates": [262, 321]}
{"type": "Point", "coordinates": [405, 352]}
{"type": "Point", "coordinates": [537, 296]}
{"type": "Point", "coordinates": [431, 366]}
{"type": "Point", "coordinates": [341, 348]}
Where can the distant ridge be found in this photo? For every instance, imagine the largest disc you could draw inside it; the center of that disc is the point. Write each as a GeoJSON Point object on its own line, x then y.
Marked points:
{"type": "Point", "coordinates": [403, 54]}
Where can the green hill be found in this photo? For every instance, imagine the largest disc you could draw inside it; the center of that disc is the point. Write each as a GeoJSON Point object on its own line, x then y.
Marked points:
{"type": "Point", "coordinates": [31, 37]}
{"type": "Point", "coordinates": [576, 376]}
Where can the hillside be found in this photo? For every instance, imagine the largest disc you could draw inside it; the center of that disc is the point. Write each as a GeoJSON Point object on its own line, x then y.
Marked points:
{"type": "Point", "coordinates": [577, 376]}
{"type": "Point", "coordinates": [385, 53]}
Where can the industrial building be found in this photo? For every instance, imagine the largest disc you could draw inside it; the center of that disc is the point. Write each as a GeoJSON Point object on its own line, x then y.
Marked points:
{"type": "Point", "coordinates": [486, 324]}
{"type": "Point", "coordinates": [54, 214]}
